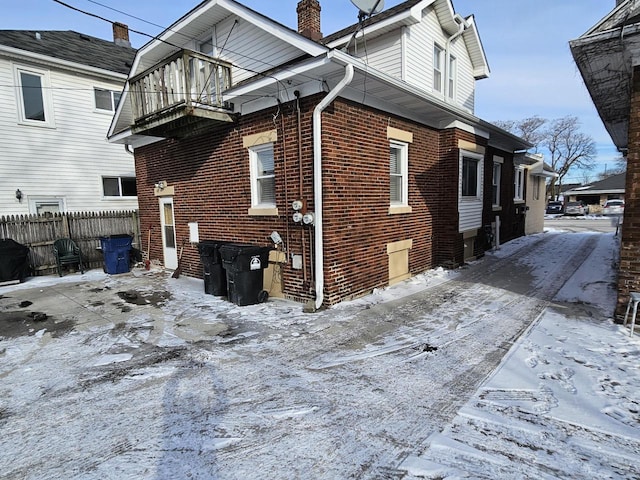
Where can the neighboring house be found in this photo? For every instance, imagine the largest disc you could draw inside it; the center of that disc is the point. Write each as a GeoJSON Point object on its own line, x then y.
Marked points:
{"type": "Point", "coordinates": [369, 162]}
{"type": "Point", "coordinates": [608, 57]}
{"type": "Point", "coordinates": [537, 173]}
{"type": "Point", "coordinates": [597, 193]}
{"type": "Point", "coordinates": [58, 93]}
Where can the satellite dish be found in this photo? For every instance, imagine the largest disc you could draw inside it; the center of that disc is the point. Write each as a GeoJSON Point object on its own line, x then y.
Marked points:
{"type": "Point", "coordinates": [369, 7]}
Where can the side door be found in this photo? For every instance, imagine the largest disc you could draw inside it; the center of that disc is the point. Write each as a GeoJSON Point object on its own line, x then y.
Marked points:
{"type": "Point", "coordinates": [167, 221]}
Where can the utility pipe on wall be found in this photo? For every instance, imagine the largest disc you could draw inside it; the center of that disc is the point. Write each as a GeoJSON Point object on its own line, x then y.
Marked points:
{"type": "Point", "coordinates": [317, 178]}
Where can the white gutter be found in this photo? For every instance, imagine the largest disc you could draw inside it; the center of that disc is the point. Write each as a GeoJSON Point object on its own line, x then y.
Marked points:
{"type": "Point", "coordinates": [60, 63]}
{"type": "Point", "coordinates": [317, 178]}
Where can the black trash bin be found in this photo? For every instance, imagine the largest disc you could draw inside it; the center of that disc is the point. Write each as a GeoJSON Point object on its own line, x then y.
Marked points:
{"type": "Point", "coordinates": [14, 261]}
{"type": "Point", "coordinates": [215, 276]}
{"type": "Point", "coordinates": [116, 251]}
{"type": "Point", "coordinates": [245, 266]}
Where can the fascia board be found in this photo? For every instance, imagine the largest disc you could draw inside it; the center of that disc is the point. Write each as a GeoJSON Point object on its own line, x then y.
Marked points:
{"type": "Point", "coordinates": [480, 70]}
{"type": "Point", "coordinates": [407, 17]}
{"type": "Point", "coordinates": [304, 44]}
{"type": "Point", "coordinates": [18, 54]}
{"type": "Point", "coordinates": [278, 76]}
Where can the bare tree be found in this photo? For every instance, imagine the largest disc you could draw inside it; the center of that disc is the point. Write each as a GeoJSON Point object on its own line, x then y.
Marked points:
{"type": "Point", "coordinates": [569, 148]}
{"type": "Point", "coordinates": [619, 167]}
{"type": "Point", "coordinates": [529, 129]}
{"type": "Point", "coordinates": [561, 138]}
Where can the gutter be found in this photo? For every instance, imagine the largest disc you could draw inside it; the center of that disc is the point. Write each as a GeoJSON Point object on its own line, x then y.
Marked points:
{"type": "Point", "coordinates": [317, 178]}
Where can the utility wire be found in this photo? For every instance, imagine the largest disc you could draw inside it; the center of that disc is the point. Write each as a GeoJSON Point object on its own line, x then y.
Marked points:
{"type": "Point", "coordinates": [155, 37]}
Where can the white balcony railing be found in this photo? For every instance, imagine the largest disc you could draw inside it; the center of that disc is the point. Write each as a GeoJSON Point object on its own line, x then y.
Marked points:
{"type": "Point", "coordinates": [186, 78]}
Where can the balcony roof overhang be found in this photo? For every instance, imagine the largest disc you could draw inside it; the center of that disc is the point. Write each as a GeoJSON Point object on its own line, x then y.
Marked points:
{"type": "Point", "coordinates": [371, 87]}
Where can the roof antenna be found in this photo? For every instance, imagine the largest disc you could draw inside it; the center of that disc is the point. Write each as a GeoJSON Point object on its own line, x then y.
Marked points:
{"type": "Point", "coordinates": [366, 8]}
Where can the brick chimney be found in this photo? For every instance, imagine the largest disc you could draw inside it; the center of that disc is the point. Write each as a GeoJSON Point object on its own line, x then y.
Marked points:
{"type": "Point", "coordinates": [309, 19]}
{"type": "Point", "coordinates": [121, 34]}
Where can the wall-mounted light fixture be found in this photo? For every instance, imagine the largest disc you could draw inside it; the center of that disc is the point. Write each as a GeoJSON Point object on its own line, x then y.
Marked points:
{"type": "Point", "coordinates": [19, 195]}
{"type": "Point", "coordinates": [161, 185]}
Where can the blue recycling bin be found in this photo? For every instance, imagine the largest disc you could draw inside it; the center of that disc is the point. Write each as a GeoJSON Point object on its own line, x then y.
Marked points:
{"type": "Point", "coordinates": [116, 250]}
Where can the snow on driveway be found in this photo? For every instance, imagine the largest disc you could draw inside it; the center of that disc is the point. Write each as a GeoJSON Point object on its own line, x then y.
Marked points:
{"type": "Point", "coordinates": [143, 376]}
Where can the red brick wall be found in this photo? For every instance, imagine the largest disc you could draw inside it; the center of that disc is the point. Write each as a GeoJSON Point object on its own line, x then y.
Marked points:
{"type": "Point", "coordinates": [210, 175]}
{"type": "Point", "coordinates": [511, 223]}
{"type": "Point", "coordinates": [629, 271]}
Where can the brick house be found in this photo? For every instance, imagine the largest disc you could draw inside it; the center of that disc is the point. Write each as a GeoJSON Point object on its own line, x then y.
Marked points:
{"type": "Point", "coordinates": [608, 57]}
{"type": "Point", "coordinates": [242, 126]}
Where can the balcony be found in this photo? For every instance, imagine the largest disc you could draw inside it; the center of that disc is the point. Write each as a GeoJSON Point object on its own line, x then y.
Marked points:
{"type": "Point", "coordinates": [181, 96]}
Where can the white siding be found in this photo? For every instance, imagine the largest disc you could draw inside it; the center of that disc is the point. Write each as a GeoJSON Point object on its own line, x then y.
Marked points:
{"type": "Point", "coordinates": [251, 48]}
{"type": "Point", "coordinates": [419, 59]}
{"type": "Point", "coordinates": [383, 53]}
{"type": "Point", "coordinates": [67, 161]}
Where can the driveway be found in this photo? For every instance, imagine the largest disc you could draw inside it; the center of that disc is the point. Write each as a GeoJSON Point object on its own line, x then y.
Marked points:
{"type": "Point", "coordinates": [143, 376]}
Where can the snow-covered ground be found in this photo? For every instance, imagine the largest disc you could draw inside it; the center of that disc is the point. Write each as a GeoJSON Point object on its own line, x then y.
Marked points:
{"type": "Point", "coordinates": [510, 367]}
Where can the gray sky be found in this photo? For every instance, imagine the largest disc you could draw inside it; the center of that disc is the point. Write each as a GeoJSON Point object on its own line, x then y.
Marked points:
{"type": "Point", "coordinates": [526, 43]}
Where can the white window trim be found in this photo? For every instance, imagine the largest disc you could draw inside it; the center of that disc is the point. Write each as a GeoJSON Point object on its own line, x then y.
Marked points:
{"type": "Point", "coordinates": [36, 202]}
{"type": "Point", "coordinates": [257, 207]}
{"type": "Point", "coordinates": [479, 175]}
{"type": "Point", "coordinates": [452, 73]}
{"type": "Point", "coordinates": [518, 184]}
{"type": "Point", "coordinates": [438, 66]}
{"type": "Point", "coordinates": [116, 197]}
{"type": "Point", "coordinates": [47, 102]}
{"type": "Point", "coordinates": [403, 148]}
{"type": "Point", "coordinates": [114, 104]}
{"type": "Point", "coordinates": [497, 161]}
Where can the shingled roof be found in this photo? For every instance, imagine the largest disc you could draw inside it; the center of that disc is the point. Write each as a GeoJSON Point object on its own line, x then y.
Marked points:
{"type": "Point", "coordinates": [371, 20]}
{"type": "Point", "coordinates": [72, 47]}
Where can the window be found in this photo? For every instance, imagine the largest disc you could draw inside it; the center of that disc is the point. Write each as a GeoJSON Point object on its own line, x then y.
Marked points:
{"type": "Point", "coordinates": [119, 186]}
{"type": "Point", "coordinates": [497, 175]}
{"type": "Point", "coordinates": [470, 177]}
{"type": "Point", "coordinates": [536, 188]}
{"type": "Point", "coordinates": [398, 166]}
{"type": "Point", "coordinates": [452, 77]}
{"type": "Point", "coordinates": [263, 187]}
{"type": "Point", "coordinates": [518, 184]}
{"type": "Point", "coordinates": [106, 99]}
{"type": "Point", "coordinates": [438, 64]}
{"type": "Point", "coordinates": [34, 97]}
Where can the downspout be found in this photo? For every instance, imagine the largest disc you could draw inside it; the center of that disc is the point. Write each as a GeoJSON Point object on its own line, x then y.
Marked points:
{"type": "Point", "coordinates": [317, 178]}
{"type": "Point", "coordinates": [462, 26]}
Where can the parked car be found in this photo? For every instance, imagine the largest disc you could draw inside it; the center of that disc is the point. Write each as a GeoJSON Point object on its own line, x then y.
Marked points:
{"type": "Point", "coordinates": [554, 207]}
{"type": "Point", "coordinates": [576, 208]}
{"type": "Point", "coordinates": [613, 207]}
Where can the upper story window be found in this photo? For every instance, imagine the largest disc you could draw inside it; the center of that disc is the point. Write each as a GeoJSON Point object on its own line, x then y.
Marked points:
{"type": "Point", "coordinates": [438, 67]}
{"type": "Point", "coordinates": [470, 176]}
{"type": "Point", "coordinates": [497, 174]}
{"type": "Point", "coordinates": [263, 187]}
{"type": "Point", "coordinates": [34, 97]}
{"type": "Point", "coordinates": [451, 80]}
{"type": "Point", "coordinates": [119, 186]}
{"type": "Point", "coordinates": [398, 168]}
{"type": "Point", "coordinates": [518, 184]}
{"type": "Point", "coordinates": [106, 99]}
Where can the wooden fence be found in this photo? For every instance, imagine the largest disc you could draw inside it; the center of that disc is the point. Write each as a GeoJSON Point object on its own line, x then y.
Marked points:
{"type": "Point", "coordinates": [38, 232]}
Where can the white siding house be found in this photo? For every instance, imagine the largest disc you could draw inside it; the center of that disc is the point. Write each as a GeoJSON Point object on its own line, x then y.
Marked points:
{"type": "Point", "coordinates": [426, 44]}
{"type": "Point", "coordinates": [58, 93]}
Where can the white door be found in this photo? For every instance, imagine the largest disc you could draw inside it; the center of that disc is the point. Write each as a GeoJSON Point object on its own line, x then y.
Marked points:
{"type": "Point", "coordinates": [167, 221]}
